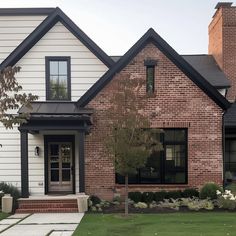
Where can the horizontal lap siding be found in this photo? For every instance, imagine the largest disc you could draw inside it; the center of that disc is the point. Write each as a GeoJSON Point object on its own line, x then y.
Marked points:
{"type": "Point", "coordinates": [86, 69]}
{"type": "Point", "coordinates": [13, 30]}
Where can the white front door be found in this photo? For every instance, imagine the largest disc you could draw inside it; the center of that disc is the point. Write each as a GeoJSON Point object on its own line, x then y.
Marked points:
{"type": "Point", "coordinates": [60, 167]}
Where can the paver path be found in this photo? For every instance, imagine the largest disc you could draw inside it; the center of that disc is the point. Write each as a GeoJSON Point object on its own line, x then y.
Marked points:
{"type": "Point", "coordinates": [41, 224]}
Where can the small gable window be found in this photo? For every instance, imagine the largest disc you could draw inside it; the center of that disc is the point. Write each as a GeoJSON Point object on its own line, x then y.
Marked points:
{"type": "Point", "coordinates": [58, 78]}
{"type": "Point", "coordinates": [150, 75]}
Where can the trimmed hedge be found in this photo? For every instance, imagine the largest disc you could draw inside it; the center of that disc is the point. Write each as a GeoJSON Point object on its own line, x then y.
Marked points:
{"type": "Point", "coordinates": [148, 197]}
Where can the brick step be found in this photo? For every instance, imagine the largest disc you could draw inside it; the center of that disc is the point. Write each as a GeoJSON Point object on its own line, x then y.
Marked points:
{"type": "Point", "coordinates": [48, 210]}
{"type": "Point", "coordinates": [47, 205]}
{"type": "Point", "coordinates": [47, 201]}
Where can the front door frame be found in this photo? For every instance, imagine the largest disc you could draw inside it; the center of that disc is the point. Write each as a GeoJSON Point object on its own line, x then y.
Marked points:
{"type": "Point", "coordinates": [58, 138]}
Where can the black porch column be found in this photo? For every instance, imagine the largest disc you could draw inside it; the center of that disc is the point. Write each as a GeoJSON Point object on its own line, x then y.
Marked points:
{"type": "Point", "coordinates": [81, 163]}
{"type": "Point", "coordinates": [24, 164]}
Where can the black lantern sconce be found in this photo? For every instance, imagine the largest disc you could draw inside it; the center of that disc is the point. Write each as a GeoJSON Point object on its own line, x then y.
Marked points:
{"type": "Point", "coordinates": [36, 151]}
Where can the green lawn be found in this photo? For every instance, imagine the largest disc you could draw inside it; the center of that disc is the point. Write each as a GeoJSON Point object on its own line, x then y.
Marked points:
{"type": "Point", "coordinates": [175, 224]}
{"type": "Point", "coordinates": [3, 215]}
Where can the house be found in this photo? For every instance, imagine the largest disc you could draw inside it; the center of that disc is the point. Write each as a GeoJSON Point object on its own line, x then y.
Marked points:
{"type": "Point", "coordinates": [54, 153]}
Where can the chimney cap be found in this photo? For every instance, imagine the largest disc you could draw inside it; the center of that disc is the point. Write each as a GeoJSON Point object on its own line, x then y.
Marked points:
{"type": "Point", "coordinates": [223, 4]}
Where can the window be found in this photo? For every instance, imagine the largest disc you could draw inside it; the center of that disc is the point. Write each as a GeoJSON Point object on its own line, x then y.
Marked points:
{"type": "Point", "coordinates": [230, 157]}
{"type": "Point", "coordinates": [168, 166]}
{"type": "Point", "coordinates": [150, 79]}
{"type": "Point", "coordinates": [58, 85]}
{"type": "Point", "coordinates": [150, 75]}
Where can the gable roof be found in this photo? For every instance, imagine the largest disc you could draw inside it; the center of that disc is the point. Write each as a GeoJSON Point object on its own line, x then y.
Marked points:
{"type": "Point", "coordinates": [152, 37]}
{"type": "Point", "coordinates": [207, 66]}
{"type": "Point", "coordinates": [25, 11]}
{"type": "Point", "coordinates": [54, 17]}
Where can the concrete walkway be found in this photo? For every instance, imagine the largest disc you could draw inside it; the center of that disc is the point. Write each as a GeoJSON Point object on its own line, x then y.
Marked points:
{"type": "Point", "coordinates": [40, 224]}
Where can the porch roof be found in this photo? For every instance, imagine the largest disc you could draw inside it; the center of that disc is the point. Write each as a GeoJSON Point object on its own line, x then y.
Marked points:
{"type": "Point", "coordinates": [56, 116]}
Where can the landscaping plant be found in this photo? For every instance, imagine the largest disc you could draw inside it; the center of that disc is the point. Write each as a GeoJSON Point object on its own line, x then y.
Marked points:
{"type": "Point", "coordinates": [209, 191]}
{"type": "Point", "coordinates": [129, 141]}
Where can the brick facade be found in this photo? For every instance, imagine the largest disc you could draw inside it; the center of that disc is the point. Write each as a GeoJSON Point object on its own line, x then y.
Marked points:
{"type": "Point", "coordinates": [177, 103]}
{"type": "Point", "coordinates": [222, 44]}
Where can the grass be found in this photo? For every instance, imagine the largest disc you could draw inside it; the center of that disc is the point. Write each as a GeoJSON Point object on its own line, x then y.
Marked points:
{"type": "Point", "coordinates": [3, 215]}
{"type": "Point", "coordinates": [175, 224]}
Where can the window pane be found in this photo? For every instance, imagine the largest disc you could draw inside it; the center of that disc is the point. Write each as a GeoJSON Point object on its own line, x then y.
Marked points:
{"type": "Point", "coordinates": [65, 175]}
{"type": "Point", "coordinates": [180, 135]}
{"type": "Point", "coordinates": [54, 175]}
{"type": "Point", "coordinates": [58, 80]}
{"type": "Point", "coordinates": [151, 172]}
{"type": "Point", "coordinates": [54, 149]}
{"type": "Point", "coordinates": [175, 164]}
{"type": "Point", "coordinates": [233, 145]}
{"type": "Point", "coordinates": [150, 79]}
{"type": "Point", "coordinates": [169, 135]}
{"type": "Point", "coordinates": [62, 67]}
{"type": "Point", "coordinates": [53, 67]}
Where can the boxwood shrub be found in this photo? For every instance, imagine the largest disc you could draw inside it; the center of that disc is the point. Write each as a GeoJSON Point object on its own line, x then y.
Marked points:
{"type": "Point", "coordinates": [135, 196]}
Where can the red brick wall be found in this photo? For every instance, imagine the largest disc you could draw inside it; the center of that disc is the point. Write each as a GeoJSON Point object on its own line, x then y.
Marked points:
{"type": "Point", "coordinates": [222, 44]}
{"type": "Point", "coordinates": [178, 102]}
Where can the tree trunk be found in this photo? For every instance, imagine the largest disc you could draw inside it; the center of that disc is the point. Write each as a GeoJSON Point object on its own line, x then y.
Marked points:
{"type": "Point", "coordinates": [126, 195]}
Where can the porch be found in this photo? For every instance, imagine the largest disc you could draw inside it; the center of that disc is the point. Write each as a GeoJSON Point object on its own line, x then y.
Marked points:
{"type": "Point", "coordinates": [61, 128]}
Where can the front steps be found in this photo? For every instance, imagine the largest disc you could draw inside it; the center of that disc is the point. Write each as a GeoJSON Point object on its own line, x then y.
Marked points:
{"type": "Point", "coordinates": [47, 205]}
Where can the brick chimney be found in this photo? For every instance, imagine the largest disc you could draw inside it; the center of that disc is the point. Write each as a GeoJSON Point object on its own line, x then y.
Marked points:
{"type": "Point", "coordinates": [222, 42]}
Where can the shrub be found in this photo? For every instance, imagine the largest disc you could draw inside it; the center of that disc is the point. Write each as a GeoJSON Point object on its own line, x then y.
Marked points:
{"type": "Point", "coordinates": [95, 199]}
{"type": "Point", "coordinates": [174, 194]}
{"type": "Point", "coordinates": [190, 192]}
{"type": "Point", "coordinates": [226, 200]}
{"type": "Point", "coordinates": [141, 205]}
{"type": "Point", "coordinates": [197, 204]}
{"type": "Point", "coordinates": [160, 196]}
{"type": "Point", "coordinates": [10, 189]}
{"type": "Point", "coordinates": [170, 203]}
{"type": "Point", "coordinates": [147, 197]}
{"type": "Point", "coordinates": [135, 196]}
{"type": "Point", "coordinates": [209, 191]}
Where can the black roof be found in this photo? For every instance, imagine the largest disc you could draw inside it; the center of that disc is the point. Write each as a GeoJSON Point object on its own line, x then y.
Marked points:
{"type": "Point", "coordinates": [230, 116]}
{"type": "Point", "coordinates": [152, 37]}
{"type": "Point", "coordinates": [56, 111]}
{"type": "Point", "coordinates": [55, 16]}
{"type": "Point", "coordinates": [206, 66]}
{"type": "Point", "coordinates": [209, 69]}
{"type": "Point", "coordinates": [25, 11]}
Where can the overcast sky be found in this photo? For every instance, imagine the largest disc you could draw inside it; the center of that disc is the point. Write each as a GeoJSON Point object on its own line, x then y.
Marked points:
{"type": "Point", "coordinates": [115, 25]}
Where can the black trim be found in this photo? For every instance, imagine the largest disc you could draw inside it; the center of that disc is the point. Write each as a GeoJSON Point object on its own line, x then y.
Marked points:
{"type": "Point", "coordinates": [81, 163]}
{"type": "Point", "coordinates": [58, 138]}
{"type": "Point", "coordinates": [150, 62]}
{"type": "Point", "coordinates": [47, 71]}
{"type": "Point", "coordinates": [25, 11]}
{"type": "Point", "coordinates": [163, 161]}
{"type": "Point", "coordinates": [43, 28]}
{"type": "Point", "coordinates": [152, 37]}
{"type": "Point", "coordinates": [24, 164]}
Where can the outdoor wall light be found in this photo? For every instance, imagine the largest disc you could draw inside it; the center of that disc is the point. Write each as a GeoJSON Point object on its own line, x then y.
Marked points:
{"type": "Point", "coordinates": [36, 151]}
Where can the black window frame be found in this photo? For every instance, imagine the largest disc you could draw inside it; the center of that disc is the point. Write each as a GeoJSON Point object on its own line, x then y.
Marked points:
{"type": "Point", "coordinates": [162, 162]}
{"type": "Point", "coordinates": [48, 59]}
{"type": "Point", "coordinates": [229, 151]}
{"type": "Point", "coordinates": [148, 68]}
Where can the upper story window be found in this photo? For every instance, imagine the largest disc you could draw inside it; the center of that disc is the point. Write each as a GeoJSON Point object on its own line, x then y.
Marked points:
{"type": "Point", "coordinates": [58, 81]}
{"type": "Point", "coordinates": [150, 75]}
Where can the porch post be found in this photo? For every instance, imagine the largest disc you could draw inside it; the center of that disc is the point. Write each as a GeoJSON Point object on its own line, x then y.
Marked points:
{"type": "Point", "coordinates": [24, 164]}
{"type": "Point", "coordinates": [81, 162]}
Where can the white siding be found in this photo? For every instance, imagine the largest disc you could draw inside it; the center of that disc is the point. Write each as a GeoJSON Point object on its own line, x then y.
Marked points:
{"type": "Point", "coordinates": [13, 30]}
{"type": "Point", "coordinates": [86, 69]}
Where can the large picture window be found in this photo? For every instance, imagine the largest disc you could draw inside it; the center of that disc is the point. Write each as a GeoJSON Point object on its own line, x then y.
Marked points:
{"type": "Point", "coordinates": [58, 78]}
{"type": "Point", "coordinates": [168, 166]}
